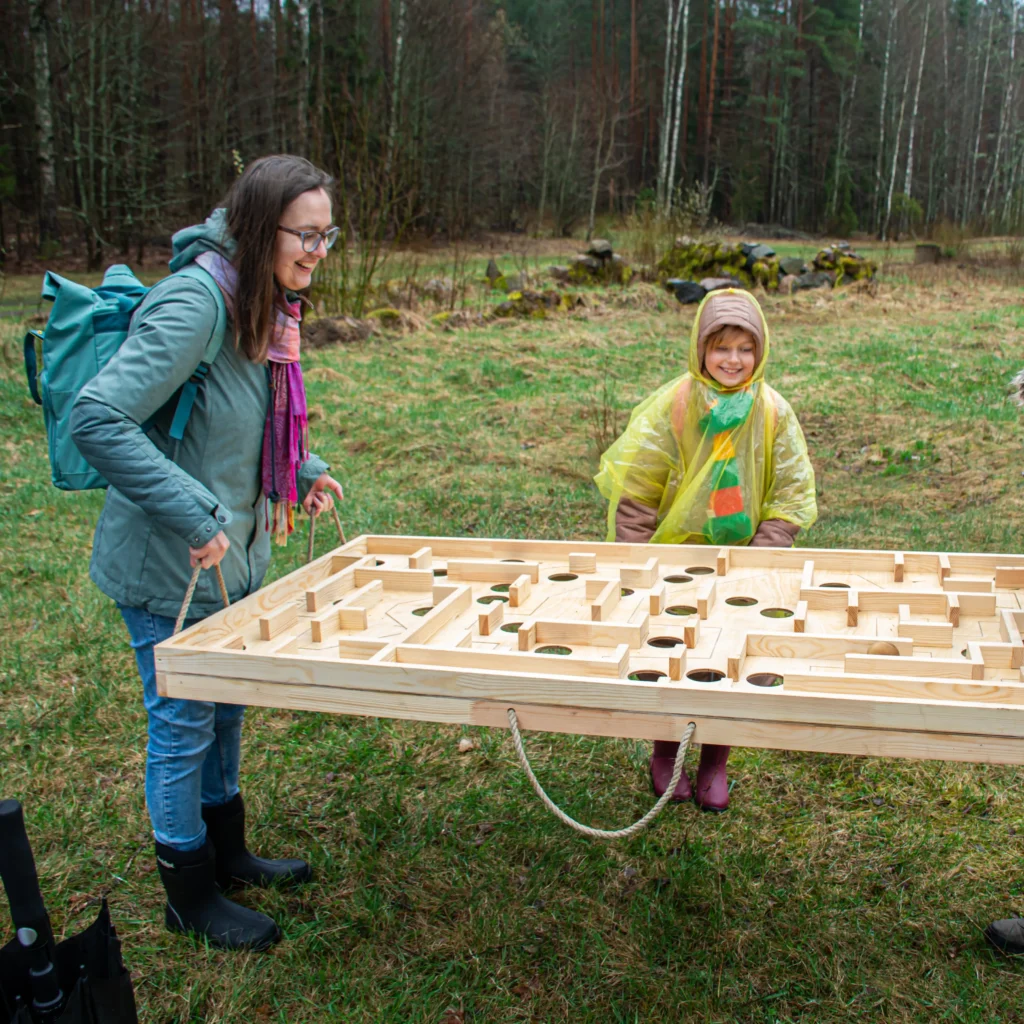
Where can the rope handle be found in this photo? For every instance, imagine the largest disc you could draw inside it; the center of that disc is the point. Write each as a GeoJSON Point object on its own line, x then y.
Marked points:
{"type": "Point", "coordinates": [312, 531]}
{"type": "Point", "coordinates": [192, 589]}
{"type": "Point", "coordinates": [599, 833]}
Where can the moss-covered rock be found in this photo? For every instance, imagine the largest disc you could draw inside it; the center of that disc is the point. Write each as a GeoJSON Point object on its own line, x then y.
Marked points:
{"type": "Point", "coordinates": [386, 317]}
{"type": "Point", "coordinates": [536, 305]}
{"type": "Point", "coordinates": [845, 264]}
{"type": "Point", "coordinates": [691, 260]}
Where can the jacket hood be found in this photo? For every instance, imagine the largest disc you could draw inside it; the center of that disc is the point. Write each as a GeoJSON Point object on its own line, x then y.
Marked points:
{"type": "Point", "coordinates": [717, 309]}
{"type": "Point", "coordinates": [211, 235]}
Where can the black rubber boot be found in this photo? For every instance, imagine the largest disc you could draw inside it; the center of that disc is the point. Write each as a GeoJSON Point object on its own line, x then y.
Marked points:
{"type": "Point", "coordinates": [1007, 936]}
{"type": "Point", "coordinates": [225, 829]}
{"type": "Point", "coordinates": [195, 904]}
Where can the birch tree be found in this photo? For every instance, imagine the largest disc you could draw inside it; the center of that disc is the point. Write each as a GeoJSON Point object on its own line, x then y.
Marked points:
{"type": "Point", "coordinates": [908, 178]}
{"type": "Point", "coordinates": [39, 28]}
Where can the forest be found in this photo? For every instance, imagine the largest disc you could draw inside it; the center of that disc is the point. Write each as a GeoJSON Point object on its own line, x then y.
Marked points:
{"type": "Point", "coordinates": [121, 120]}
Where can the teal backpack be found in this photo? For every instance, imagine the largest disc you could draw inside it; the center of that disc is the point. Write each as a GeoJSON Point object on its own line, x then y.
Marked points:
{"type": "Point", "coordinates": [85, 328]}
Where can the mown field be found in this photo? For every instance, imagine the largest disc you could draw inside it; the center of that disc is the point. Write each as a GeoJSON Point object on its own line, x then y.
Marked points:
{"type": "Point", "coordinates": [834, 888]}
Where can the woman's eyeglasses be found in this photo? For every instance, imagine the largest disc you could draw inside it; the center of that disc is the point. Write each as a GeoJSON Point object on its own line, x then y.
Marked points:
{"type": "Point", "coordinates": [311, 239]}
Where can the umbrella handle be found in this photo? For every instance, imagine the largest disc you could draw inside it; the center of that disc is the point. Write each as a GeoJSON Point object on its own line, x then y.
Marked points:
{"type": "Point", "coordinates": [18, 871]}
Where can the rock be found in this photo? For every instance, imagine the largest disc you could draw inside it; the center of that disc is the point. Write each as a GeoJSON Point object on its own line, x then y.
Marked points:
{"type": "Point", "coordinates": [386, 317]}
{"type": "Point", "coordinates": [536, 305]}
{"type": "Point", "coordinates": [846, 264]}
{"type": "Point", "coordinates": [814, 279]}
{"type": "Point", "coordinates": [792, 266]}
{"type": "Point", "coordinates": [714, 284]}
{"type": "Point", "coordinates": [589, 270]}
{"type": "Point", "coordinates": [756, 251]}
{"type": "Point", "coordinates": [687, 292]}
{"type": "Point", "coordinates": [601, 248]}
{"type": "Point", "coordinates": [492, 273]}
{"type": "Point", "coordinates": [559, 273]}
{"type": "Point", "coordinates": [788, 284]}
{"type": "Point", "coordinates": [342, 330]}
{"type": "Point", "coordinates": [514, 282]}
{"type": "Point", "coordinates": [438, 289]}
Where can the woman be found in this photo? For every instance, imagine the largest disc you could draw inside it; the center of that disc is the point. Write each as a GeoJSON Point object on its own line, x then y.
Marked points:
{"type": "Point", "coordinates": [213, 498]}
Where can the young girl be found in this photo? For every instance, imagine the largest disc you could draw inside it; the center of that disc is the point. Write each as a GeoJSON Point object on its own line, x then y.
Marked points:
{"type": "Point", "coordinates": [715, 456]}
{"type": "Point", "coordinates": [214, 498]}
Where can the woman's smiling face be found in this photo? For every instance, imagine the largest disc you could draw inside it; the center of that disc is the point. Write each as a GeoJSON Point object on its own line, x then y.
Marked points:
{"type": "Point", "coordinates": [293, 267]}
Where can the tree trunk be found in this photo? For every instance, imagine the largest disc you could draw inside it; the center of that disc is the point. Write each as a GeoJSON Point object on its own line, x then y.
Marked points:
{"type": "Point", "coordinates": [908, 178]}
{"type": "Point", "coordinates": [1005, 113]}
{"type": "Point", "coordinates": [710, 107]}
{"type": "Point", "coordinates": [46, 162]}
{"type": "Point", "coordinates": [302, 103]}
{"type": "Point", "coordinates": [895, 155]}
{"type": "Point", "coordinates": [880, 162]}
{"type": "Point", "coordinates": [969, 205]}
{"type": "Point", "coordinates": [666, 107]}
{"type": "Point", "coordinates": [682, 33]}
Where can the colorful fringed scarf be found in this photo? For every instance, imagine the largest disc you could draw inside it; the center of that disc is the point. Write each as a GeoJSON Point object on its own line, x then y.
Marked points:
{"type": "Point", "coordinates": [285, 432]}
{"type": "Point", "coordinates": [728, 521]}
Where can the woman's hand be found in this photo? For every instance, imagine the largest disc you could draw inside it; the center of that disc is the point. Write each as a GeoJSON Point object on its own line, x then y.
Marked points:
{"type": "Point", "coordinates": [321, 495]}
{"type": "Point", "coordinates": [211, 553]}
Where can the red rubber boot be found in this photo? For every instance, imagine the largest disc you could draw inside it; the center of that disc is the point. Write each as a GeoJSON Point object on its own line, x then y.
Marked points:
{"type": "Point", "coordinates": [712, 790]}
{"type": "Point", "coordinates": [662, 762]}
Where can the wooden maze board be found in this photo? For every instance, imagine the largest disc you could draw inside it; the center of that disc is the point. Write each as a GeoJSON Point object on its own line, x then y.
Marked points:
{"type": "Point", "coordinates": [903, 654]}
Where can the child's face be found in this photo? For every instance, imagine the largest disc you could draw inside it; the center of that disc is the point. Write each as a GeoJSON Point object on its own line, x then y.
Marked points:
{"type": "Point", "coordinates": [731, 361]}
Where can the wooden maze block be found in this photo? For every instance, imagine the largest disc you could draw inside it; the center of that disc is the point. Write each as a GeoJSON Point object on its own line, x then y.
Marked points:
{"type": "Point", "coordinates": [582, 562]}
{"type": "Point", "coordinates": [487, 570]}
{"type": "Point", "coordinates": [910, 654]}
{"type": "Point", "coordinates": [278, 620]}
{"type": "Point", "coordinates": [519, 590]}
{"type": "Point", "coordinates": [422, 559]}
{"type": "Point", "coordinates": [1009, 576]}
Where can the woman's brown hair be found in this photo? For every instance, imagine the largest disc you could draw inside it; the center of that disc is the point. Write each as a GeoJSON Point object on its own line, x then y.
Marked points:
{"type": "Point", "coordinates": [254, 207]}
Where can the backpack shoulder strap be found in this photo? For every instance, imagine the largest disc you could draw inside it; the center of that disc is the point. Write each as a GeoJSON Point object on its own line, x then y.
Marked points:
{"type": "Point", "coordinates": [191, 387]}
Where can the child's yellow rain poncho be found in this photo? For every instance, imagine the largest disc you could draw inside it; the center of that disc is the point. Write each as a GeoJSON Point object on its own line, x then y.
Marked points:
{"type": "Point", "coordinates": [714, 461]}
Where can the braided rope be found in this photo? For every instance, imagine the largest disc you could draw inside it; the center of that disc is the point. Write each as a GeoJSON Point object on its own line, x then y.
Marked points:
{"type": "Point", "coordinates": [599, 833]}
{"type": "Point", "coordinates": [191, 591]}
{"type": "Point", "coordinates": [312, 531]}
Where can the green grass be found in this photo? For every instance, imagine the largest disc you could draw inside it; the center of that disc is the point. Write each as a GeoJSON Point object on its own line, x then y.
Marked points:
{"type": "Point", "coordinates": [834, 889]}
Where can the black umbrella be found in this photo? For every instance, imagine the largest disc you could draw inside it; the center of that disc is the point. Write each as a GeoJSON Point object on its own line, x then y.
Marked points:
{"type": "Point", "coordinates": [81, 980]}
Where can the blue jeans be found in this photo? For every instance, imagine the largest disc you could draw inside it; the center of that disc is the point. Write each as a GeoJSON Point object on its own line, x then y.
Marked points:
{"type": "Point", "coordinates": [194, 746]}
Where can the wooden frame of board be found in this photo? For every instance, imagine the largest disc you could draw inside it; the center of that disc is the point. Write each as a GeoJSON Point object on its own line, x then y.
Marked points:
{"type": "Point", "coordinates": [897, 654]}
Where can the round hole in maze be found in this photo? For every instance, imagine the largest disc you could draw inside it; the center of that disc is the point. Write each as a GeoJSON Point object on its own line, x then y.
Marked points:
{"type": "Point", "coordinates": [379, 561]}
{"type": "Point", "coordinates": [491, 598]}
{"type": "Point", "coordinates": [511, 627]}
{"type": "Point", "coordinates": [518, 561]}
{"type": "Point", "coordinates": [765, 679]}
{"type": "Point", "coordinates": [705, 675]}
{"type": "Point", "coordinates": [680, 609]}
{"type": "Point", "coordinates": [625, 592]}
{"type": "Point", "coordinates": [741, 602]}
{"type": "Point", "coordinates": [700, 570]}
{"type": "Point", "coordinates": [563, 577]}
{"type": "Point", "coordinates": [837, 586]}
{"type": "Point", "coordinates": [966, 653]}
{"type": "Point", "coordinates": [883, 647]}
{"type": "Point", "coordinates": [440, 572]}
{"type": "Point", "coordinates": [678, 579]}
{"type": "Point", "coordinates": [553, 649]}
{"type": "Point", "coordinates": [501, 588]}
{"type": "Point", "coordinates": [421, 611]}
{"type": "Point", "coordinates": [647, 675]}
{"type": "Point", "coordinates": [776, 613]}
{"type": "Point", "coordinates": [666, 641]}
